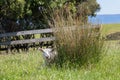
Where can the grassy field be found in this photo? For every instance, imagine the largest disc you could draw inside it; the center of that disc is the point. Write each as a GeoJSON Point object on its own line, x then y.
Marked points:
{"type": "Point", "coordinates": [110, 28]}
{"type": "Point", "coordinates": [29, 66]}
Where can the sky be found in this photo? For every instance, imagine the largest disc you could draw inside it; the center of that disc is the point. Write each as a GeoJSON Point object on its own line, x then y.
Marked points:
{"type": "Point", "coordinates": [109, 6]}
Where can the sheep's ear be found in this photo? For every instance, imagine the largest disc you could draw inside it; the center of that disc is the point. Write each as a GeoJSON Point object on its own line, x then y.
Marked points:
{"type": "Point", "coordinates": [40, 49]}
{"type": "Point", "coordinates": [53, 49]}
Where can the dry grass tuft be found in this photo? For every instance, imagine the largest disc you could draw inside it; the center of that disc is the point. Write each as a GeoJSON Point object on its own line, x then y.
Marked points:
{"type": "Point", "coordinates": [77, 43]}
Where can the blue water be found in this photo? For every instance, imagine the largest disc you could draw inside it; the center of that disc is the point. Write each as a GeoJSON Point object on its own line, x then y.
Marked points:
{"type": "Point", "coordinates": [105, 19]}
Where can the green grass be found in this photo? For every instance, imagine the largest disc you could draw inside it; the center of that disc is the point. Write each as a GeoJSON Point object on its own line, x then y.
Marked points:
{"type": "Point", "coordinates": [110, 28]}
{"type": "Point", "coordinates": [29, 66]}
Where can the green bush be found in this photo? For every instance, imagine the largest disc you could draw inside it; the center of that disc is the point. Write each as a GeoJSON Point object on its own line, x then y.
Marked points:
{"type": "Point", "coordinates": [77, 44]}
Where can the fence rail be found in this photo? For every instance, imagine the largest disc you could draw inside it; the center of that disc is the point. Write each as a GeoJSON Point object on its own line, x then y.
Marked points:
{"type": "Point", "coordinates": [26, 32]}
{"type": "Point", "coordinates": [28, 41]}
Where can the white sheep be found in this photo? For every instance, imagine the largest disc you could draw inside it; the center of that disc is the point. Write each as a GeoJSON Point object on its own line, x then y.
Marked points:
{"type": "Point", "coordinates": [49, 55]}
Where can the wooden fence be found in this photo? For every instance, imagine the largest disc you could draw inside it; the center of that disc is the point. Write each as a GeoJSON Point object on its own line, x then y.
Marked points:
{"type": "Point", "coordinates": [5, 39]}
{"type": "Point", "coordinates": [26, 33]}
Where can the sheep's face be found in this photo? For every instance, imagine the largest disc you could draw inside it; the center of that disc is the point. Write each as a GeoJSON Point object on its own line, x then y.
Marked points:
{"type": "Point", "coordinates": [49, 54]}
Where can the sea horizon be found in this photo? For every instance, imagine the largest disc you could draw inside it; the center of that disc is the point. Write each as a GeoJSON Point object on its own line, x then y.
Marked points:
{"type": "Point", "coordinates": [105, 19]}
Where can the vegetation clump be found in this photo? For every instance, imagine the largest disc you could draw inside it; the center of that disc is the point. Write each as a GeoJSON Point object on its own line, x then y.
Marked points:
{"type": "Point", "coordinates": [77, 43]}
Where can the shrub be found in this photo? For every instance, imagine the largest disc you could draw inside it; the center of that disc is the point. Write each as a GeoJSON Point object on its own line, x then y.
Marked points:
{"type": "Point", "coordinates": [77, 44]}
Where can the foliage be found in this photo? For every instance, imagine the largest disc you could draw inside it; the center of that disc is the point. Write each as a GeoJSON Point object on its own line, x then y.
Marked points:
{"type": "Point", "coordinates": [25, 12]}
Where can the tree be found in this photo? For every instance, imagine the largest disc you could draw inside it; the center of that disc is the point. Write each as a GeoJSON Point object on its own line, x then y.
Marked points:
{"type": "Point", "coordinates": [31, 14]}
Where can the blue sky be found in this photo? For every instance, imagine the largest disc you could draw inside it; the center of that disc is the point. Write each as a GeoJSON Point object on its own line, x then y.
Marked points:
{"type": "Point", "coordinates": [109, 6]}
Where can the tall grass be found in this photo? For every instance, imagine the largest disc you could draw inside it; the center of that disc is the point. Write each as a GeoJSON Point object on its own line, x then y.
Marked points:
{"type": "Point", "coordinates": [77, 44]}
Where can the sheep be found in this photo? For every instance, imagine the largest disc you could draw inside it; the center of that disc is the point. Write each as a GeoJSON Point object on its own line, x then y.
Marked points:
{"type": "Point", "coordinates": [49, 55]}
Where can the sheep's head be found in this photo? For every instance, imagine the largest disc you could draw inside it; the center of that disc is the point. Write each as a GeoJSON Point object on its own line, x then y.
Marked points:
{"type": "Point", "coordinates": [48, 53]}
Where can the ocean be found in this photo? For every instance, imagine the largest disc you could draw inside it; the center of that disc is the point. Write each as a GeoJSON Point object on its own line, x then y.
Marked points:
{"type": "Point", "coordinates": [105, 19]}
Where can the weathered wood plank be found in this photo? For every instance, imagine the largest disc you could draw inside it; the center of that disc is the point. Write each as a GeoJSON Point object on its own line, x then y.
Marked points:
{"type": "Point", "coordinates": [38, 31]}
{"type": "Point", "coordinates": [26, 32]}
{"type": "Point", "coordinates": [28, 41]}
